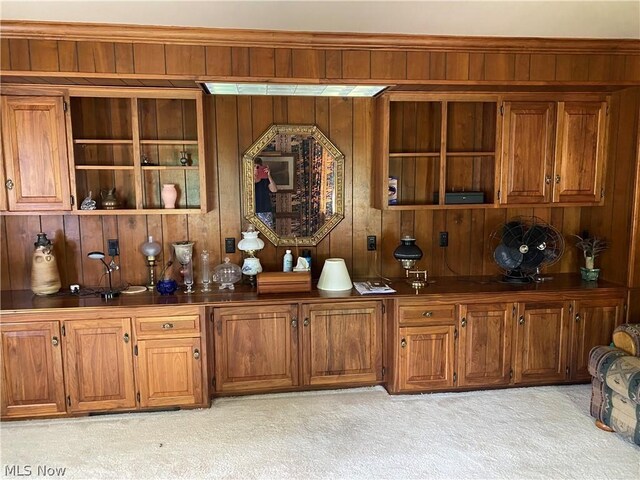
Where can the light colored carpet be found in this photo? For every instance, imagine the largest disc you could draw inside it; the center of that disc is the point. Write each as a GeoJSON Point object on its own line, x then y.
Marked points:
{"type": "Point", "coordinates": [541, 432]}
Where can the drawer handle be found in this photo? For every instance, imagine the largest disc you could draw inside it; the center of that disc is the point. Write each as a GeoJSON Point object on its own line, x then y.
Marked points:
{"type": "Point", "coordinates": [521, 320]}
{"type": "Point", "coordinates": [126, 338]}
{"type": "Point", "coordinates": [463, 322]}
{"type": "Point", "coordinates": [427, 314]}
{"type": "Point", "coordinates": [547, 179]}
{"type": "Point", "coordinates": [557, 178]}
{"type": "Point", "coordinates": [55, 342]}
{"type": "Point", "coordinates": [294, 323]}
{"type": "Point", "coordinates": [577, 317]}
{"type": "Point", "coordinates": [403, 343]}
{"type": "Point", "coordinates": [196, 354]}
{"type": "Point", "coordinates": [9, 184]}
{"type": "Point", "coordinates": [306, 322]}
{"type": "Point", "coordinates": [167, 325]}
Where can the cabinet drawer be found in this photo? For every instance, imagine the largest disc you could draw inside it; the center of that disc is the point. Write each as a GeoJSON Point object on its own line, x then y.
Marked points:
{"type": "Point", "coordinates": [418, 314]}
{"type": "Point", "coordinates": [170, 325]}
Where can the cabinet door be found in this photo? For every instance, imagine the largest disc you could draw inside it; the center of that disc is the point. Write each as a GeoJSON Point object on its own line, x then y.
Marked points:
{"type": "Point", "coordinates": [527, 156]}
{"type": "Point", "coordinates": [593, 324]}
{"type": "Point", "coordinates": [36, 163]}
{"type": "Point", "coordinates": [341, 343]}
{"type": "Point", "coordinates": [32, 381]}
{"type": "Point", "coordinates": [169, 372]}
{"type": "Point", "coordinates": [542, 333]}
{"type": "Point", "coordinates": [256, 348]}
{"type": "Point", "coordinates": [485, 343]}
{"type": "Point", "coordinates": [580, 152]}
{"type": "Point", "coordinates": [99, 364]}
{"type": "Point", "coordinates": [427, 357]}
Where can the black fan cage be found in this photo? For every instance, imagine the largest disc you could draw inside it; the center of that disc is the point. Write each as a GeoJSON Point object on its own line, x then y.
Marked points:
{"type": "Point", "coordinates": [525, 244]}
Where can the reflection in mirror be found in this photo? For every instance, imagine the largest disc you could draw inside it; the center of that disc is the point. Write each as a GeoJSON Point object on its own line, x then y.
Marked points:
{"type": "Point", "coordinates": [293, 181]}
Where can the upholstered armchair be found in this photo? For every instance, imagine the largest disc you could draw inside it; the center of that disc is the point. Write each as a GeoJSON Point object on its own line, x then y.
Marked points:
{"type": "Point", "coordinates": [615, 395]}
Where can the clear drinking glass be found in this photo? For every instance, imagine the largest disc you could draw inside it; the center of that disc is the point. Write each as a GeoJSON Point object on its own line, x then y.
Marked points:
{"type": "Point", "coordinates": [206, 276]}
{"type": "Point", "coordinates": [188, 277]}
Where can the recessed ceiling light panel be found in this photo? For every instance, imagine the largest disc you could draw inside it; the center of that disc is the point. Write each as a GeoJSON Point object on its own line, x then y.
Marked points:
{"type": "Point", "coordinates": [280, 89]}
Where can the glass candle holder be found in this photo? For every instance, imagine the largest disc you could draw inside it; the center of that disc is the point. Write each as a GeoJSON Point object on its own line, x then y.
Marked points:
{"type": "Point", "coordinates": [206, 276]}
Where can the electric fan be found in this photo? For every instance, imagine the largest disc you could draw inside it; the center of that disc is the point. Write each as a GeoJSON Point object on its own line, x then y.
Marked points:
{"type": "Point", "coordinates": [523, 245]}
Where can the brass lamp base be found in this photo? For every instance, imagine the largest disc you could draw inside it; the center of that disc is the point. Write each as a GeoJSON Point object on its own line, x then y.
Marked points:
{"type": "Point", "coordinates": [420, 280]}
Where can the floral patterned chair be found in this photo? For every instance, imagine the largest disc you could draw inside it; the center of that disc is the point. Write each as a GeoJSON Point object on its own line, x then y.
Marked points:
{"type": "Point", "coordinates": [615, 395]}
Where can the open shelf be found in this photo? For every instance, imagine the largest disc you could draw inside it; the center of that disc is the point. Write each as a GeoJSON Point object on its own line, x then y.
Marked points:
{"type": "Point", "coordinates": [436, 152]}
{"type": "Point", "coordinates": [134, 142]}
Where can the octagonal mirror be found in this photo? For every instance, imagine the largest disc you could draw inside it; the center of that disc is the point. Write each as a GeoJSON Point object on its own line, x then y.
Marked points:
{"type": "Point", "coordinates": [293, 185]}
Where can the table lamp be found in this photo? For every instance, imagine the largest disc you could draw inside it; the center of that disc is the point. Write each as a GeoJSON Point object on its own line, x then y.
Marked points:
{"type": "Point", "coordinates": [408, 254]}
{"type": "Point", "coordinates": [111, 293]}
{"type": "Point", "coordinates": [151, 250]}
{"type": "Point", "coordinates": [250, 244]}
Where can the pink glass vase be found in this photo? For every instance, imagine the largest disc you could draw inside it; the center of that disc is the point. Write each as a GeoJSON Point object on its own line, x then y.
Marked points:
{"type": "Point", "coordinates": [169, 195]}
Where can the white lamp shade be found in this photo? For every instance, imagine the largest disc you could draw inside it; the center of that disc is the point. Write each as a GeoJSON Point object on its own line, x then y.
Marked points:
{"type": "Point", "coordinates": [335, 276]}
{"type": "Point", "coordinates": [150, 248]}
{"type": "Point", "coordinates": [250, 241]}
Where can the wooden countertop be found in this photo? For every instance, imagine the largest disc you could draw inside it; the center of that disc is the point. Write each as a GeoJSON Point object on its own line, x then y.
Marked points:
{"type": "Point", "coordinates": [449, 289]}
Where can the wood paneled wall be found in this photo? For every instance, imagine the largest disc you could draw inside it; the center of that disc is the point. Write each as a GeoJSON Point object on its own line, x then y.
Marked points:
{"type": "Point", "coordinates": [234, 124]}
{"type": "Point", "coordinates": [327, 57]}
{"type": "Point", "coordinates": [110, 55]}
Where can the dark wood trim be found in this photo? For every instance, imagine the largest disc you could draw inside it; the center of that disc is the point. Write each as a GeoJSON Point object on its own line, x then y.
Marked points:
{"type": "Point", "coordinates": [16, 29]}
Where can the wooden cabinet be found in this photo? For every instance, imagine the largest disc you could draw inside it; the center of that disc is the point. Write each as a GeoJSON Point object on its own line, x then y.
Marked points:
{"type": "Point", "coordinates": [169, 358]}
{"type": "Point", "coordinates": [593, 324]}
{"type": "Point", "coordinates": [341, 343]}
{"type": "Point", "coordinates": [528, 152]}
{"type": "Point", "coordinates": [553, 152]}
{"type": "Point", "coordinates": [432, 147]}
{"type": "Point", "coordinates": [36, 167]}
{"type": "Point", "coordinates": [256, 348]}
{"type": "Point", "coordinates": [277, 347]}
{"type": "Point", "coordinates": [541, 342]}
{"type": "Point", "coordinates": [485, 344]}
{"type": "Point", "coordinates": [169, 372]}
{"type": "Point", "coordinates": [580, 152]}
{"type": "Point", "coordinates": [135, 141]}
{"type": "Point", "coordinates": [32, 379]}
{"type": "Point", "coordinates": [99, 365]}
{"type": "Point", "coordinates": [427, 356]}
{"type": "Point", "coordinates": [426, 346]}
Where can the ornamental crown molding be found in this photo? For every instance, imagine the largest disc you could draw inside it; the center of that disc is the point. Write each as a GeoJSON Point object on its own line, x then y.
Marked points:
{"type": "Point", "coordinates": [22, 29]}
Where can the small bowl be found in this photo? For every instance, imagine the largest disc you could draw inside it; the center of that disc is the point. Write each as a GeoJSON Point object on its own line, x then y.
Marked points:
{"type": "Point", "coordinates": [166, 287]}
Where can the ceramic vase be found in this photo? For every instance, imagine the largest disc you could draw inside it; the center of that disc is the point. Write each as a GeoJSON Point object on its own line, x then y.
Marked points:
{"type": "Point", "coordinates": [109, 200]}
{"type": "Point", "coordinates": [45, 278]}
{"type": "Point", "coordinates": [169, 195]}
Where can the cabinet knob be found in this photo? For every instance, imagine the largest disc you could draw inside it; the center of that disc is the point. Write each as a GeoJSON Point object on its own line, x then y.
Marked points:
{"type": "Point", "coordinates": [167, 325]}
{"type": "Point", "coordinates": [547, 179]}
{"type": "Point", "coordinates": [403, 343]}
{"type": "Point", "coordinates": [55, 342]}
{"type": "Point", "coordinates": [306, 322]}
{"type": "Point", "coordinates": [9, 184]}
{"type": "Point", "coordinates": [577, 317]}
{"type": "Point", "coordinates": [557, 178]}
{"type": "Point", "coordinates": [126, 338]}
{"type": "Point", "coordinates": [463, 322]}
{"type": "Point", "coordinates": [427, 314]}
{"type": "Point", "coordinates": [521, 320]}
{"type": "Point", "coordinates": [196, 354]}
{"type": "Point", "coordinates": [294, 323]}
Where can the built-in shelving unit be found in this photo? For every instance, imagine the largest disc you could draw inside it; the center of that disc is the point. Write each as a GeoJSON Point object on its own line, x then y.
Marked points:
{"type": "Point", "coordinates": [136, 141]}
{"type": "Point", "coordinates": [434, 150]}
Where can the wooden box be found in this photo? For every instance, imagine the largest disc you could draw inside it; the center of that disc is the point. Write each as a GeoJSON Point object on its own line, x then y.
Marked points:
{"type": "Point", "coordinates": [283, 282]}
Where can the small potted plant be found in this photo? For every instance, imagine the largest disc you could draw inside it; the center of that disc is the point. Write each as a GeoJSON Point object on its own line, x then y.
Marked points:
{"type": "Point", "coordinates": [591, 247]}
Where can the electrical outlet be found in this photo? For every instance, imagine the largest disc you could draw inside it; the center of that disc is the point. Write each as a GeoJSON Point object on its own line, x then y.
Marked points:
{"type": "Point", "coordinates": [113, 247]}
{"type": "Point", "coordinates": [230, 245]}
{"type": "Point", "coordinates": [371, 242]}
{"type": "Point", "coordinates": [444, 239]}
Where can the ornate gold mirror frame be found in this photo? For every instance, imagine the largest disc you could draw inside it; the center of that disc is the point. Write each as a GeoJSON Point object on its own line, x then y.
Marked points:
{"type": "Point", "coordinates": [248, 187]}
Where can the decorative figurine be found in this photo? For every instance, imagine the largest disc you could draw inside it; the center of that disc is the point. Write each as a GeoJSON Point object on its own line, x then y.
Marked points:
{"type": "Point", "coordinates": [184, 159]}
{"type": "Point", "coordinates": [109, 200]}
{"type": "Point", "coordinates": [88, 203]}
